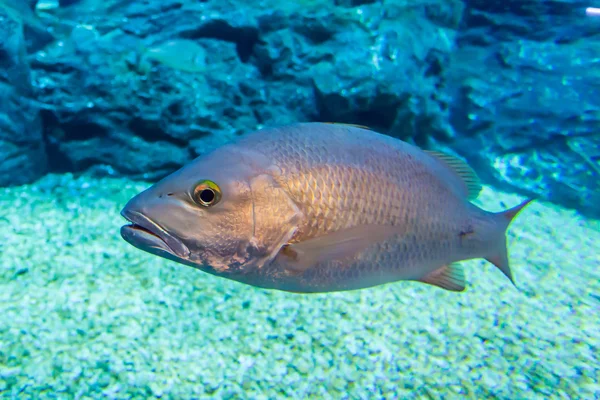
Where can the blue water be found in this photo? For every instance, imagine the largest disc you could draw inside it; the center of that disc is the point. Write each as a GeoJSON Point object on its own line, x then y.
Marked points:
{"type": "Point", "coordinates": [101, 99]}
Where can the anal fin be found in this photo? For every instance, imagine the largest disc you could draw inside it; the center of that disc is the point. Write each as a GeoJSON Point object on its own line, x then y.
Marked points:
{"type": "Point", "coordinates": [450, 277]}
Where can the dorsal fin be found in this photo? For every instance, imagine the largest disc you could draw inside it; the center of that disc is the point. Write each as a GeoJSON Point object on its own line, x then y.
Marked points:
{"type": "Point", "coordinates": [351, 125]}
{"type": "Point", "coordinates": [463, 170]}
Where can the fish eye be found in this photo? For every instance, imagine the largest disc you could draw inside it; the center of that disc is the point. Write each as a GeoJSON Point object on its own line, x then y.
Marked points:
{"type": "Point", "coordinates": [207, 193]}
{"type": "Point", "coordinates": [207, 196]}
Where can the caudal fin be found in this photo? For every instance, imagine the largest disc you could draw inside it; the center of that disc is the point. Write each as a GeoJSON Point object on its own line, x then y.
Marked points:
{"type": "Point", "coordinates": [511, 213]}
{"type": "Point", "coordinates": [500, 258]}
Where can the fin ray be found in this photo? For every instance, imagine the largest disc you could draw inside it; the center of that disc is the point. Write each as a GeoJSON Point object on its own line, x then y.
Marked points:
{"type": "Point", "coordinates": [337, 245]}
{"type": "Point", "coordinates": [500, 258]}
{"type": "Point", "coordinates": [350, 125]}
{"type": "Point", "coordinates": [500, 261]}
{"type": "Point", "coordinates": [466, 174]}
{"type": "Point", "coordinates": [450, 277]}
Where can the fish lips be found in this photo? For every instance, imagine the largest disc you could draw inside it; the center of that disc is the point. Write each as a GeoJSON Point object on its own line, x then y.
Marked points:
{"type": "Point", "coordinates": [147, 235]}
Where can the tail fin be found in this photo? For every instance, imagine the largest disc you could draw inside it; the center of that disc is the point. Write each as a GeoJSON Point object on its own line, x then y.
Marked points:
{"type": "Point", "coordinates": [500, 259]}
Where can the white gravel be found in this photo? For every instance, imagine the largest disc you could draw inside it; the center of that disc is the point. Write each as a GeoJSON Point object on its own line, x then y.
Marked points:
{"type": "Point", "coordinates": [83, 314]}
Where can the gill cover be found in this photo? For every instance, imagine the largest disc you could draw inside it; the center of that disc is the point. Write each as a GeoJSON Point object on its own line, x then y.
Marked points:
{"type": "Point", "coordinates": [276, 218]}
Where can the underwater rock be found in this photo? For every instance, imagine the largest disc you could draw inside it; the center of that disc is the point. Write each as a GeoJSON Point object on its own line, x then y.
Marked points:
{"type": "Point", "coordinates": [22, 150]}
{"type": "Point", "coordinates": [271, 64]}
{"type": "Point", "coordinates": [524, 84]}
{"type": "Point", "coordinates": [35, 30]}
{"type": "Point", "coordinates": [508, 85]}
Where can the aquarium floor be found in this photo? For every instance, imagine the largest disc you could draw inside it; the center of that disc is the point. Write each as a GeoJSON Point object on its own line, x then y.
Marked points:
{"type": "Point", "coordinates": [83, 315]}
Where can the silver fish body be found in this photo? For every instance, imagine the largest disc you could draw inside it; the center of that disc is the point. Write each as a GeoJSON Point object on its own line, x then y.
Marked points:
{"type": "Point", "coordinates": [320, 207]}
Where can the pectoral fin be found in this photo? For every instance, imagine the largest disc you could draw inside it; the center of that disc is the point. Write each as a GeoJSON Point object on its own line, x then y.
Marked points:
{"type": "Point", "coordinates": [449, 277]}
{"type": "Point", "coordinates": [339, 245]}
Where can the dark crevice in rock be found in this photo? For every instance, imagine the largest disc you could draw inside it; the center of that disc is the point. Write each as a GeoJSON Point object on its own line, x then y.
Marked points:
{"type": "Point", "coordinates": [63, 67]}
{"type": "Point", "coordinates": [82, 129]}
{"type": "Point", "coordinates": [375, 119]}
{"type": "Point", "coordinates": [134, 10]}
{"type": "Point", "coordinates": [176, 109]}
{"type": "Point", "coordinates": [151, 131]}
{"type": "Point", "coordinates": [353, 3]}
{"type": "Point", "coordinates": [244, 38]}
{"type": "Point", "coordinates": [57, 159]}
{"type": "Point", "coordinates": [521, 8]}
{"type": "Point", "coordinates": [540, 21]}
{"type": "Point", "coordinates": [314, 29]}
{"type": "Point", "coordinates": [435, 64]}
{"type": "Point", "coordinates": [164, 170]}
{"type": "Point", "coordinates": [87, 164]}
{"type": "Point", "coordinates": [379, 115]}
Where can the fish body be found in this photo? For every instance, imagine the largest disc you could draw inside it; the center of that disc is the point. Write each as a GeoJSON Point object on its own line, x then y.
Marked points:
{"type": "Point", "coordinates": [318, 207]}
{"type": "Point", "coordinates": [182, 54]}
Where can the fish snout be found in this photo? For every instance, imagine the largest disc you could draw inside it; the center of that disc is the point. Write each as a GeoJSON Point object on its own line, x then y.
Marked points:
{"type": "Point", "coordinates": [144, 230]}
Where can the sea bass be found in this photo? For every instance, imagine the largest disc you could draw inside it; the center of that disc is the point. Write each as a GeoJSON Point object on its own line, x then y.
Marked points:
{"type": "Point", "coordinates": [318, 207]}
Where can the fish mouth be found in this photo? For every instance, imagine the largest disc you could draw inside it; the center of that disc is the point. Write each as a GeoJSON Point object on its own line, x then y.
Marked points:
{"type": "Point", "coordinates": [147, 235]}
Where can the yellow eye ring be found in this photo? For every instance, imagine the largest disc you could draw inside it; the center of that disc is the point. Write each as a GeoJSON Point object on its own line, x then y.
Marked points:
{"type": "Point", "coordinates": [207, 193]}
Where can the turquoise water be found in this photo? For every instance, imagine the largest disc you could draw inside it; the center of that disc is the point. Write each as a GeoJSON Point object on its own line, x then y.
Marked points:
{"type": "Point", "coordinates": [85, 315]}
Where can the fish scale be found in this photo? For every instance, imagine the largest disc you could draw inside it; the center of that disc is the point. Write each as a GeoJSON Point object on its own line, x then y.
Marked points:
{"type": "Point", "coordinates": [403, 189]}
{"type": "Point", "coordinates": [388, 180]}
{"type": "Point", "coordinates": [331, 180]}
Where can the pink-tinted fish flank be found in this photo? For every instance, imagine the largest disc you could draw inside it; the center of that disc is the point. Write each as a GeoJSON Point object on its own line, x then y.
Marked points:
{"type": "Point", "coordinates": [321, 207]}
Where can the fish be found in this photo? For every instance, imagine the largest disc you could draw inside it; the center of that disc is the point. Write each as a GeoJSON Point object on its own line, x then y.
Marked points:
{"type": "Point", "coordinates": [318, 207]}
{"type": "Point", "coordinates": [181, 54]}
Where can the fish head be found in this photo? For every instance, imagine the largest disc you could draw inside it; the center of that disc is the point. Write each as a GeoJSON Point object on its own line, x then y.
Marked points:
{"type": "Point", "coordinates": [214, 214]}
